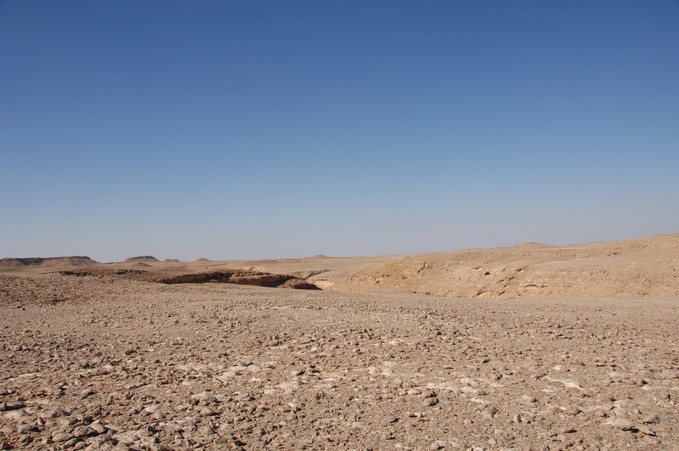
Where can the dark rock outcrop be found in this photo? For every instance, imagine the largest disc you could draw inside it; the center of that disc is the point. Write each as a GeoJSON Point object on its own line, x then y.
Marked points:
{"type": "Point", "coordinates": [142, 258]}
{"type": "Point", "coordinates": [260, 279]}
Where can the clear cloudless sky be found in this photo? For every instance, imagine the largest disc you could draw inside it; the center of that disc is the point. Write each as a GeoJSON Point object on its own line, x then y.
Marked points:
{"type": "Point", "coordinates": [253, 129]}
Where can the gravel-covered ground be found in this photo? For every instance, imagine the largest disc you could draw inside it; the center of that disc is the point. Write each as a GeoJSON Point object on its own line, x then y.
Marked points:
{"type": "Point", "coordinates": [100, 363]}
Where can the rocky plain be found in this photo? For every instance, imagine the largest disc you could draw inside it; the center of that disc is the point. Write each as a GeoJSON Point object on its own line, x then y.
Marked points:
{"type": "Point", "coordinates": [531, 347]}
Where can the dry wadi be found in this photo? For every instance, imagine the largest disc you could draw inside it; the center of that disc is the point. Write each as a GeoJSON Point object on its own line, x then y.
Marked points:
{"type": "Point", "coordinates": [527, 347]}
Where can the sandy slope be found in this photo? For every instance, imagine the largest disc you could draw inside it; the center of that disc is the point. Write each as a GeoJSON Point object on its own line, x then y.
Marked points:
{"type": "Point", "coordinates": [632, 268]}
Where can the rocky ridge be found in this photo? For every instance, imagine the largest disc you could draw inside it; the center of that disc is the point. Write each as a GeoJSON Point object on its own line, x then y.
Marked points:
{"type": "Point", "coordinates": [6, 263]}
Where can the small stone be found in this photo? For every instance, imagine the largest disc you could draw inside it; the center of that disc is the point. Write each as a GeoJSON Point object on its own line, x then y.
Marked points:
{"type": "Point", "coordinates": [388, 420]}
{"type": "Point", "coordinates": [24, 428]}
{"type": "Point", "coordinates": [426, 393]}
{"type": "Point", "coordinates": [651, 419]}
{"type": "Point", "coordinates": [429, 402]}
{"type": "Point", "coordinates": [203, 397]}
{"type": "Point", "coordinates": [97, 427]}
{"type": "Point", "coordinates": [245, 397]}
{"type": "Point", "coordinates": [622, 424]}
{"type": "Point", "coordinates": [82, 431]}
{"type": "Point", "coordinates": [247, 426]}
{"type": "Point", "coordinates": [71, 443]}
{"type": "Point", "coordinates": [61, 437]}
{"type": "Point", "coordinates": [126, 438]}
{"type": "Point", "coordinates": [11, 406]}
{"type": "Point", "coordinates": [619, 412]}
{"type": "Point", "coordinates": [647, 431]}
{"type": "Point", "coordinates": [573, 410]}
{"type": "Point", "coordinates": [153, 408]}
{"type": "Point", "coordinates": [487, 414]}
{"type": "Point", "coordinates": [527, 399]}
{"type": "Point", "coordinates": [87, 393]}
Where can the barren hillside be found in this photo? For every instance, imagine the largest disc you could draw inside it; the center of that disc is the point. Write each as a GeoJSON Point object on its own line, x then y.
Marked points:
{"type": "Point", "coordinates": [631, 268]}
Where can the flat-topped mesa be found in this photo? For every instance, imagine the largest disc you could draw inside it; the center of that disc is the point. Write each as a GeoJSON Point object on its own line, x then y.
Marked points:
{"type": "Point", "coordinates": [47, 261]}
{"type": "Point", "coordinates": [142, 258]}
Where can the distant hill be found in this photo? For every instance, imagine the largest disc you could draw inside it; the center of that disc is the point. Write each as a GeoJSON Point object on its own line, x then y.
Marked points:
{"type": "Point", "coordinates": [142, 258]}
{"type": "Point", "coordinates": [47, 261]}
{"type": "Point", "coordinates": [533, 245]}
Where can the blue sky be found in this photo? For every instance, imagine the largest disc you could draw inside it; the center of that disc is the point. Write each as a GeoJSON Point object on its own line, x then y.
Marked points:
{"type": "Point", "coordinates": [231, 129]}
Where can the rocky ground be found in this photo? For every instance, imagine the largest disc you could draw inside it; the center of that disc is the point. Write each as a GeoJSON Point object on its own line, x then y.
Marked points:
{"type": "Point", "coordinates": [96, 362]}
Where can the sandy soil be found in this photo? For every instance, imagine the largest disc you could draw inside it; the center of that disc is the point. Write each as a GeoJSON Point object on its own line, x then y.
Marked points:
{"type": "Point", "coordinates": [99, 361]}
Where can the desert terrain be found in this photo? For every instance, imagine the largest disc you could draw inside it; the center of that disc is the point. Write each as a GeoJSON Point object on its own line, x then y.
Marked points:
{"type": "Point", "coordinates": [525, 347]}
